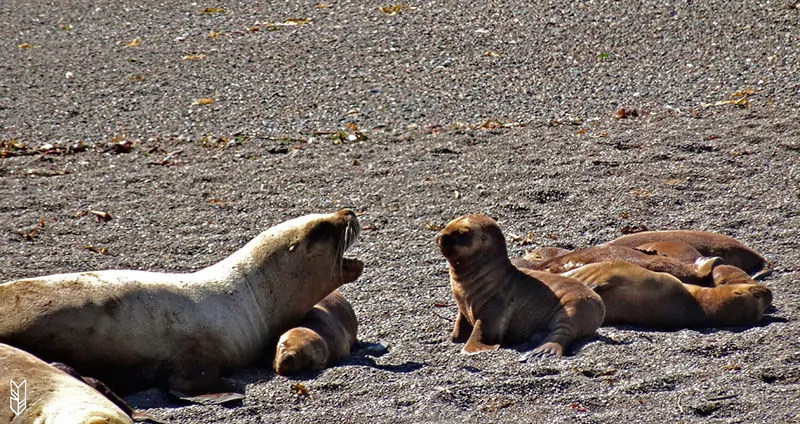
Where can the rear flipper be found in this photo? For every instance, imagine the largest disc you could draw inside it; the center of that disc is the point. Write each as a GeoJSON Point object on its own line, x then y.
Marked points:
{"type": "Point", "coordinates": [705, 265]}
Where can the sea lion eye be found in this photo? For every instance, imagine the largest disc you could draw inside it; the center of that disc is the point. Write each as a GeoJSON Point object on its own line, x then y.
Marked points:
{"type": "Point", "coordinates": [322, 231]}
{"type": "Point", "coordinates": [462, 238]}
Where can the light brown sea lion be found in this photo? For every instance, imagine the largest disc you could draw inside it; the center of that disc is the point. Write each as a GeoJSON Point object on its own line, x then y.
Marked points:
{"type": "Point", "coordinates": [500, 303]}
{"type": "Point", "coordinates": [674, 249]}
{"type": "Point", "coordinates": [698, 273]}
{"type": "Point", "coordinates": [732, 251]}
{"type": "Point", "coordinates": [136, 329]}
{"type": "Point", "coordinates": [728, 274]}
{"type": "Point", "coordinates": [636, 296]}
{"type": "Point", "coordinates": [48, 395]}
{"type": "Point", "coordinates": [324, 336]}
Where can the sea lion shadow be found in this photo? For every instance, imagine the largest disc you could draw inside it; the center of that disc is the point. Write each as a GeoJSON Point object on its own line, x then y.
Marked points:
{"type": "Point", "coordinates": [574, 348]}
{"type": "Point", "coordinates": [231, 392]}
{"type": "Point", "coordinates": [366, 361]}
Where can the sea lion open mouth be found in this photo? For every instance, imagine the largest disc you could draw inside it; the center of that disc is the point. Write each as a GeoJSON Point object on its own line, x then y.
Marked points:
{"type": "Point", "coordinates": [350, 268]}
{"type": "Point", "coordinates": [182, 331]}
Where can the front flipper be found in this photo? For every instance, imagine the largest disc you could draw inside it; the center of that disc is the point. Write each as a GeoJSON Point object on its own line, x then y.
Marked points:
{"type": "Point", "coordinates": [462, 328]}
{"type": "Point", "coordinates": [547, 350]}
{"type": "Point", "coordinates": [475, 343]}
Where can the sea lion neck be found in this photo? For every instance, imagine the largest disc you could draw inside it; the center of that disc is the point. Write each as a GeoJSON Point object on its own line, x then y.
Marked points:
{"type": "Point", "coordinates": [474, 273]}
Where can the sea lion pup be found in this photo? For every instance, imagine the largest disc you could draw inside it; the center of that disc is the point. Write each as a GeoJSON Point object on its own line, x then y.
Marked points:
{"type": "Point", "coordinates": [636, 296]}
{"type": "Point", "coordinates": [698, 273]}
{"type": "Point", "coordinates": [500, 303]}
{"type": "Point", "coordinates": [136, 329]}
{"type": "Point", "coordinates": [728, 274]}
{"type": "Point", "coordinates": [323, 337]}
{"type": "Point", "coordinates": [49, 395]}
{"type": "Point", "coordinates": [732, 251]}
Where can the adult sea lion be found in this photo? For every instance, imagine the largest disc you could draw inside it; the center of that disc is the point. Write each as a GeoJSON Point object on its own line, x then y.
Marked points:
{"type": "Point", "coordinates": [49, 395]}
{"type": "Point", "coordinates": [501, 303]}
{"type": "Point", "coordinates": [673, 248]}
{"type": "Point", "coordinates": [324, 336]}
{"type": "Point", "coordinates": [637, 296]}
{"type": "Point", "coordinates": [732, 251]}
{"type": "Point", "coordinates": [698, 273]}
{"type": "Point", "coordinates": [136, 329]}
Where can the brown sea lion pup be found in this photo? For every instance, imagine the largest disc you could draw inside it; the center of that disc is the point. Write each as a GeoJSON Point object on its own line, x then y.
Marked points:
{"type": "Point", "coordinates": [636, 296]}
{"type": "Point", "coordinates": [728, 274]}
{"type": "Point", "coordinates": [136, 329]}
{"type": "Point", "coordinates": [499, 303]}
{"type": "Point", "coordinates": [323, 337]}
{"type": "Point", "coordinates": [732, 251]}
{"type": "Point", "coordinates": [698, 273]}
{"type": "Point", "coordinates": [34, 391]}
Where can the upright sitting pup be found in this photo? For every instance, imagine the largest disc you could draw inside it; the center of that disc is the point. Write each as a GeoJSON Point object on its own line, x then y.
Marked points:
{"type": "Point", "coordinates": [499, 303]}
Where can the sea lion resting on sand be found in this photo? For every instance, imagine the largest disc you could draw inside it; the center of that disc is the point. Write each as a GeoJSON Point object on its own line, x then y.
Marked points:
{"type": "Point", "coordinates": [324, 336]}
{"type": "Point", "coordinates": [500, 303]}
{"type": "Point", "coordinates": [48, 395]}
{"type": "Point", "coordinates": [636, 296]}
{"type": "Point", "coordinates": [136, 329]}
{"type": "Point", "coordinates": [732, 251]}
{"type": "Point", "coordinates": [697, 272]}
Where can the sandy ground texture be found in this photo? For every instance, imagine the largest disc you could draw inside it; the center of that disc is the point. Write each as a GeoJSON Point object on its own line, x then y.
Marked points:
{"type": "Point", "coordinates": [413, 116]}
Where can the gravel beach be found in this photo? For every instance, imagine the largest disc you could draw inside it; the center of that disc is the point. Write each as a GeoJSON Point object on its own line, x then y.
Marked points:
{"type": "Point", "coordinates": [198, 125]}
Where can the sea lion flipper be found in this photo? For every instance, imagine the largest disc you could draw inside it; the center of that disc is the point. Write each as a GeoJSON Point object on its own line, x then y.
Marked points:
{"type": "Point", "coordinates": [475, 343]}
{"type": "Point", "coordinates": [705, 265]}
{"type": "Point", "coordinates": [546, 350]}
{"type": "Point", "coordinates": [462, 328]}
{"type": "Point", "coordinates": [759, 275]}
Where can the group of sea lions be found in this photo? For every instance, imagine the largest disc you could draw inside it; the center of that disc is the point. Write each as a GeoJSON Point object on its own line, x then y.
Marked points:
{"type": "Point", "coordinates": [277, 297]}
{"type": "Point", "coordinates": [134, 329]}
{"type": "Point", "coordinates": [552, 296]}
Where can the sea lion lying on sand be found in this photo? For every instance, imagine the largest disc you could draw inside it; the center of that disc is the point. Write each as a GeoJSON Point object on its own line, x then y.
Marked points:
{"type": "Point", "coordinates": [136, 329]}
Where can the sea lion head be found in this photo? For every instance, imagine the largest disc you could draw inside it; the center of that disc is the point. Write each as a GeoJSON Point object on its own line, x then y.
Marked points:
{"type": "Point", "coordinates": [312, 247]}
{"type": "Point", "coordinates": [745, 304]}
{"type": "Point", "coordinates": [729, 274]}
{"type": "Point", "coordinates": [300, 350]}
{"type": "Point", "coordinates": [471, 236]}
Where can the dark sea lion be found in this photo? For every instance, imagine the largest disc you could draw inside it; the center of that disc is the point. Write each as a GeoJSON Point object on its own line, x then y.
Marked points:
{"type": "Point", "coordinates": [698, 273]}
{"type": "Point", "coordinates": [499, 303]}
{"type": "Point", "coordinates": [732, 251]}
{"type": "Point", "coordinates": [49, 395]}
{"type": "Point", "coordinates": [136, 329]}
{"type": "Point", "coordinates": [636, 296]}
{"type": "Point", "coordinates": [323, 337]}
